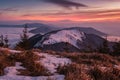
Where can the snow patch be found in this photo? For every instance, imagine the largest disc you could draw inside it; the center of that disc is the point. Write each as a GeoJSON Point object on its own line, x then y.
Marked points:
{"type": "Point", "coordinates": [51, 62]}
{"type": "Point", "coordinates": [12, 71]}
{"type": "Point", "coordinates": [54, 77]}
{"type": "Point", "coordinates": [10, 50]}
{"type": "Point", "coordinates": [113, 38]}
{"type": "Point", "coordinates": [11, 74]}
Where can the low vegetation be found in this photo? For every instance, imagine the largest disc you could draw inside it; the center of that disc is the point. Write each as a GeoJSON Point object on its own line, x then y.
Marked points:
{"type": "Point", "coordinates": [90, 58]}
{"type": "Point", "coordinates": [74, 72]}
{"type": "Point", "coordinates": [84, 66]}
{"type": "Point", "coordinates": [5, 61]}
{"type": "Point", "coordinates": [28, 60]}
{"type": "Point", "coordinates": [111, 73]}
{"type": "Point", "coordinates": [90, 66]}
{"type": "Point", "coordinates": [82, 72]}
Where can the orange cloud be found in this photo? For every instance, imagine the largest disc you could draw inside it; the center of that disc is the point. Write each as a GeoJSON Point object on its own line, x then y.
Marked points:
{"type": "Point", "coordinates": [73, 16]}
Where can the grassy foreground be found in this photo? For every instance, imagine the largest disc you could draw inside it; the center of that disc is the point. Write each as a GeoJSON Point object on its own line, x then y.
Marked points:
{"type": "Point", "coordinates": [84, 66]}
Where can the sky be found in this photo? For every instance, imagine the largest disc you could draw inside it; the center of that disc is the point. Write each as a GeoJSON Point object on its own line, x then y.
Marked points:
{"type": "Point", "coordinates": [100, 14]}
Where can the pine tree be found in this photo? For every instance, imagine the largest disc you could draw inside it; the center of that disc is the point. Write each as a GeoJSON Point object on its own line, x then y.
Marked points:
{"type": "Point", "coordinates": [104, 48]}
{"type": "Point", "coordinates": [24, 43]}
{"type": "Point", "coordinates": [116, 48]}
{"type": "Point", "coordinates": [6, 44]}
{"type": "Point", "coordinates": [1, 41]}
{"type": "Point", "coordinates": [24, 36]}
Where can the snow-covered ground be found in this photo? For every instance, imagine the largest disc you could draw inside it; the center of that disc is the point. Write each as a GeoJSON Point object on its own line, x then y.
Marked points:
{"type": "Point", "coordinates": [10, 50]}
{"type": "Point", "coordinates": [11, 74]}
{"type": "Point", "coordinates": [13, 34]}
{"type": "Point", "coordinates": [50, 62]}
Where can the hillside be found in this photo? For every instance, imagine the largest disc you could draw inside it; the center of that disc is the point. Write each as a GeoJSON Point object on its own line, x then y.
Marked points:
{"type": "Point", "coordinates": [71, 38]}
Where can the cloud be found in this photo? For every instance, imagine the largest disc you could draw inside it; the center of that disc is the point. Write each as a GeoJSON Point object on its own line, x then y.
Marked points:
{"type": "Point", "coordinates": [8, 9]}
{"type": "Point", "coordinates": [66, 4]}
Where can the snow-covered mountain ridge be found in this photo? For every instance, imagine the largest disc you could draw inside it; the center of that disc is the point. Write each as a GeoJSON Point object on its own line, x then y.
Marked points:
{"type": "Point", "coordinates": [74, 37]}
{"type": "Point", "coordinates": [70, 36]}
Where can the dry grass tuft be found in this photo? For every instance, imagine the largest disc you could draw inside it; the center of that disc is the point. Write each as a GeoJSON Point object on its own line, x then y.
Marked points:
{"type": "Point", "coordinates": [91, 58]}
{"type": "Point", "coordinates": [111, 74]}
{"type": "Point", "coordinates": [29, 61]}
{"type": "Point", "coordinates": [74, 72]}
{"type": "Point", "coordinates": [82, 72]}
{"type": "Point", "coordinates": [90, 66]}
{"type": "Point", "coordinates": [5, 61]}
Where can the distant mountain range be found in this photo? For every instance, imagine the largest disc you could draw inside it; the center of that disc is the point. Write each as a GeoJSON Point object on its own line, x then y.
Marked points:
{"type": "Point", "coordinates": [39, 27]}
{"type": "Point", "coordinates": [45, 28]}
{"type": "Point", "coordinates": [30, 25]}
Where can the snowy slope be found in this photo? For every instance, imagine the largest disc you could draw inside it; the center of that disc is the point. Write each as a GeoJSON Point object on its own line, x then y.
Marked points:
{"type": "Point", "coordinates": [72, 39]}
{"type": "Point", "coordinates": [70, 36]}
